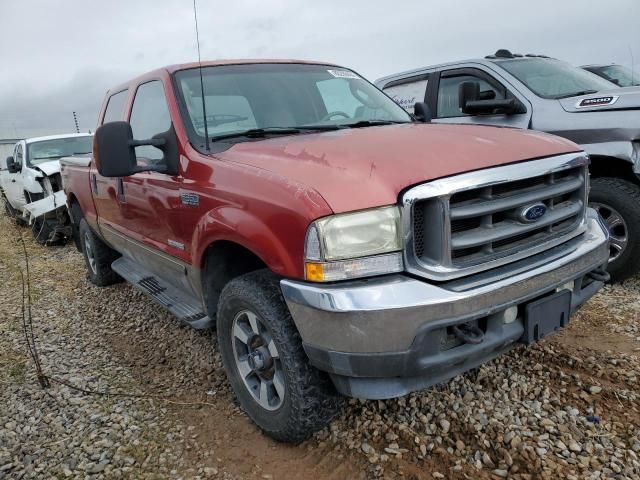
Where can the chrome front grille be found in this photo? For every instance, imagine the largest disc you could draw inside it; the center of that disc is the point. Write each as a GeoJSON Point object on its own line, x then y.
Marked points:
{"type": "Point", "coordinates": [475, 221]}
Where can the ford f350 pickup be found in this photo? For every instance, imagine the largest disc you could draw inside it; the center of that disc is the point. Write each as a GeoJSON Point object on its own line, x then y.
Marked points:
{"type": "Point", "coordinates": [338, 246]}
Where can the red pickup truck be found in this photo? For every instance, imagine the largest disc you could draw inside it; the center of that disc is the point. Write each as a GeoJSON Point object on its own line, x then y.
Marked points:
{"type": "Point", "coordinates": [338, 245]}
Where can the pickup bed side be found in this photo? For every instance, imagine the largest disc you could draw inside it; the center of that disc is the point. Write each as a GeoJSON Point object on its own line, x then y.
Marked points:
{"type": "Point", "coordinates": [75, 177]}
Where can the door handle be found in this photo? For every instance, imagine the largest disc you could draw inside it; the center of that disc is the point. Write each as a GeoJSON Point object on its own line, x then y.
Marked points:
{"type": "Point", "coordinates": [120, 192]}
{"type": "Point", "coordinates": [94, 183]}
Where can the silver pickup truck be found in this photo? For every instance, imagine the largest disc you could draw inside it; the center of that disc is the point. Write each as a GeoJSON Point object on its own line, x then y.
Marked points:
{"type": "Point", "coordinates": [540, 93]}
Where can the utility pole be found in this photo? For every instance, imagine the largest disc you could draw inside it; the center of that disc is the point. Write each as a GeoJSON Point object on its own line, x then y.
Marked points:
{"type": "Point", "coordinates": [75, 119]}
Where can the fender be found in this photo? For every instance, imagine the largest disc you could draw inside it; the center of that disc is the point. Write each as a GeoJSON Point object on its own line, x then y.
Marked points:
{"type": "Point", "coordinates": [242, 227]}
{"type": "Point", "coordinates": [624, 150]}
{"type": "Point", "coordinates": [30, 182]}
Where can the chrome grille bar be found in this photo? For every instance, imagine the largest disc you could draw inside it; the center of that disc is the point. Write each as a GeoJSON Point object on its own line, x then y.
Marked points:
{"type": "Point", "coordinates": [472, 222]}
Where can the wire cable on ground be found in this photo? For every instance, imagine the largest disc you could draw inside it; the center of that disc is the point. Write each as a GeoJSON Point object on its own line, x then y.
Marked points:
{"type": "Point", "coordinates": [45, 380]}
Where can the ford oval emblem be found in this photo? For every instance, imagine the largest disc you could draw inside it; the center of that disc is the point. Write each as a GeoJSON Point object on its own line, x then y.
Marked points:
{"type": "Point", "coordinates": [532, 213]}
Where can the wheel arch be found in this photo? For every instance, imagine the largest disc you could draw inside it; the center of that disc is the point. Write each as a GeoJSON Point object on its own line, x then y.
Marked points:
{"type": "Point", "coordinates": [222, 261]}
{"type": "Point", "coordinates": [608, 166]}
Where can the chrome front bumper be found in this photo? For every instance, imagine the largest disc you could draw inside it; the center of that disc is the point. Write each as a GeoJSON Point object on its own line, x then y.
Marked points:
{"type": "Point", "coordinates": [354, 328]}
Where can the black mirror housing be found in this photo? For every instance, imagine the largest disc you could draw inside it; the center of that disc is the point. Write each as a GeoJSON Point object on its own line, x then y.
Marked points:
{"type": "Point", "coordinates": [113, 151]}
{"type": "Point", "coordinates": [468, 92]}
{"type": "Point", "coordinates": [422, 112]}
{"type": "Point", "coordinates": [488, 107]}
{"type": "Point", "coordinates": [115, 156]}
{"type": "Point", "coordinates": [12, 166]}
{"type": "Point", "coordinates": [474, 102]}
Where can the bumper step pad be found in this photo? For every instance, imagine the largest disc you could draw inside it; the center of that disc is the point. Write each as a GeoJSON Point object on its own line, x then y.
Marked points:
{"type": "Point", "coordinates": [188, 309]}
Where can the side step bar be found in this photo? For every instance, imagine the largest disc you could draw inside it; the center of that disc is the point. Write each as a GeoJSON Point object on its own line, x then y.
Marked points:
{"type": "Point", "coordinates": [188, 309]}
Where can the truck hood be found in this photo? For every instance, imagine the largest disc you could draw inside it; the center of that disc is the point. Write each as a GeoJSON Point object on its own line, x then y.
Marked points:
{"type": "Point", "coordinates": [627, 98]}
{"type": "Point", "coordinates": [48, 168]}
{"type": "Point", "coordinates": [366, 167]}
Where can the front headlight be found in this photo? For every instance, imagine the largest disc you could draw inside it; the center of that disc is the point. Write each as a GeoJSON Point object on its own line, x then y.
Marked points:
{"type": "Point", "coordinates": [353, 245]}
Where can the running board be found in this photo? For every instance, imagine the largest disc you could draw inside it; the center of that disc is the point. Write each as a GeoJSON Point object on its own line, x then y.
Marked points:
{"type": "Point", "coordinates": [184, 306]}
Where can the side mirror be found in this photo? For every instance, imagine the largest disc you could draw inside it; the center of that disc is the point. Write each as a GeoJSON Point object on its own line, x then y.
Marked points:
{"type": "Point", "coordinates": [422, 112]}
{"type": "Point", "coordinates": [12, 166]}
{"type": "Point", "coordinates": [115, 156]}
{"type": "Point", "coordinates": [473, 102]}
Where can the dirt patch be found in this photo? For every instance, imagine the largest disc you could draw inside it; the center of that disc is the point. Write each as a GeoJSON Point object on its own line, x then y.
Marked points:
{"type": "Point", "coordinates": [532, 413]}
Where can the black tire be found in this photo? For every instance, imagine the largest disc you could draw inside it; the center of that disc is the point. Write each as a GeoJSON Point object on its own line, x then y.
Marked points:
{"type": "Point", "coordinates": [76, 217]}
{"type": "Point", "coordinates": [100, 272]}
{"type": "Point", "coordinates": [611, 196]}
{"type": "Point", "coordinates": [309, 401]}
{"type": "Point", "coordinates": [42, 231]}
{"type": "Point", "coordinates": [12, 212]}
{"type": "Point", "coordinates": [8, 209]}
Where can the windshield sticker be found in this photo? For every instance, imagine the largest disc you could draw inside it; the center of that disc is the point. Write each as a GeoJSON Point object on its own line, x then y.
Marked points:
{"type": "Point", "coordinates": [343, 74]}
{"type": "Point", "coordinates": [597, 101]}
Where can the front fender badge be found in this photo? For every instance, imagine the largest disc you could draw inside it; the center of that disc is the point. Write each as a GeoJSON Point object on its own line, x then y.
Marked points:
{"type": "Point", "coordinates": [597, 101]}
{"type": "Point", "coordinates": [190, 199]}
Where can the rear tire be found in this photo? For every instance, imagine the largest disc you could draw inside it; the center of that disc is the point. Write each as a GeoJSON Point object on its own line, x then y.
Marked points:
{"type": "Point", "coordinates": [76, 217]}
{"type": "Point", "coordinates": [618, 203]}
{"type": "Point", "coordinates": [298, 399]}
{"type": "Point", "coordinates": [98, 257]}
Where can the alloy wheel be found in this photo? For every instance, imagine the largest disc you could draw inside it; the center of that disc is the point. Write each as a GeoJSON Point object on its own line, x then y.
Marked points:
{"type": "Point", "coordinates": [258, 360]}
{"type": "Point", "coordinates": [89, 252]}
{"type": "Point", "coordinates": [618, 230]}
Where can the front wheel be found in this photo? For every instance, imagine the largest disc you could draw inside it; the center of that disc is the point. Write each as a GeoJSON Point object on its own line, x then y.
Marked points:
{"type": "Point", "coordinates": [617, 202]}
{"type": "Point", "coordinates": [12, 212]}
{"type": "Point", "coordinates": [268, 369]}
{"type": "Point", "coordinates": [43, 233]}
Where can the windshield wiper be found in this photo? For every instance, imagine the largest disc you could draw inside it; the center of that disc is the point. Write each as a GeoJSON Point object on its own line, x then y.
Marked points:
{"type": "Point", "coordinates": [47, 158]}
{"type": "Point", "coordinates": [257, 133]}
{"type": "Point", "coordinates": [319, 128]}
{"type": "Point", "coordinates": [577, 94]}
{"type": "Point", "coordinates": [369, 123]}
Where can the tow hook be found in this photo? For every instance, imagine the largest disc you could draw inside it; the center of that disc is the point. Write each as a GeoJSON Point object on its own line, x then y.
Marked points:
{"type": "Point", "coordinates": [468, 333]}
{"type": "Point", "coordinates": [599, 275]}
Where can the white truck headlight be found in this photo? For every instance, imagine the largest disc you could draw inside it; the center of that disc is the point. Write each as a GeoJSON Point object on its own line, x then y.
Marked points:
{"type": "Point", "coordinates": [352, 245]}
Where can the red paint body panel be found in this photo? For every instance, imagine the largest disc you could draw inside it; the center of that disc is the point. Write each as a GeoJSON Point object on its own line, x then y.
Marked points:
{"type": "Point", "coordinates": [367, 167]}
{"type": "Point", "coordinates": [263, 194]}
{"type": "Point", "coordinates": [76, 183]}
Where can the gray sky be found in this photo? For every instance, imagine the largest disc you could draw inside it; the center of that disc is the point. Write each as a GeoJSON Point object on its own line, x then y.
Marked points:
{"type": "Point", "coordinates": [60, 56]}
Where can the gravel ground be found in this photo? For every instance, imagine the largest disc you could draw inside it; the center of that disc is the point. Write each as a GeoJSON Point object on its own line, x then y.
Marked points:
{"type": "Point", "coordinates": [160, 405]}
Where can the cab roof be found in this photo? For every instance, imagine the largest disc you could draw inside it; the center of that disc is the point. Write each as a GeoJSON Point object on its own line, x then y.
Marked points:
{"type": "Point", "coordinates": [56, 137]}
{"type": "Point", "coordinates": [170, 69]}
{"type": "Point", "coordinates": [213, 63]}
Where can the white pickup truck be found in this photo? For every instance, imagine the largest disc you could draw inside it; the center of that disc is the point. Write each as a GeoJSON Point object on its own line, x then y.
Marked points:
{"type": "Point", "coordinates": [31, 186]}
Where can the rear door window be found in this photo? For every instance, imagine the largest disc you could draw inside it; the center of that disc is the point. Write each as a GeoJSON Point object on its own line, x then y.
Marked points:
{"type": "Point", "coordinates": [408, 92]}
{"type": "Point", "coordinates": [115, 107]}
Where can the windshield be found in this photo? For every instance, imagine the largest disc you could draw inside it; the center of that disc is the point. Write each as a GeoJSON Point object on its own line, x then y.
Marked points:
{"type": "Point", "coordinates": [269, 96]}
{"type": "Point", "coordinates": [46, 150]}
{"type": "Point", "coordinates": [550, 78]}
{"type": "Point", "coordinates": [622, 76]}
